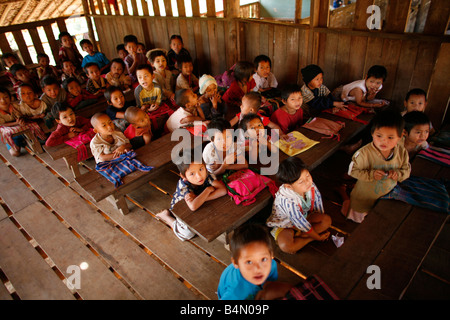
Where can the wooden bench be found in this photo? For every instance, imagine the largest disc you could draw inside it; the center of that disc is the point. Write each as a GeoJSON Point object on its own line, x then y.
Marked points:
{"type": "Point", "coordinates": [222, 215]}
{"type": "Point", "coordinates": [31, 140]}
{"type": "Point", "coordinates": [156, 154]}
{"type": "Point", "coordinates": [69, 155]}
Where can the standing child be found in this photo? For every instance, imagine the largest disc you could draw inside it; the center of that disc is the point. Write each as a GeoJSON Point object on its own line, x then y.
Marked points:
{"type": "Point", "coordinates": [242, 84]}
{"type": "Point", "coordinates": [177, 50]}
{"type": "Point", "coordinates": [69, 125]}
{"type": "Point", "coordinates": [264, 79]}
{"type": "Point", "coordinates": [134, 58]}
{"type": "Point", "coordinates": [417, 130]}
{"type": "Point", "coordinates": [45, 67]}
{"type": "Point", "coordinates": [139, 132]}
{"type": "Point", "coordinates": [96, 84]}
{"type": "Point", "coordinates": [186, 79]}
{"type": "Point", "coordinates": [77, 97]}
{"type": "Point", "coordinates": [117, 77]}
{"type": "Point", "coordinates": [253, 273]}
{"type": "Point", "coordinates": [188, 112]}
{"type": "Point", "coordinates": [70, 71]}
{"type": "Point", "coordinates": [378, 166]}
{"type": "Point", "coordinates": [290, 115]}
{"type": "Point", "coordinates": [222, 152]}
{"type": "Point", "coordinates": [108, 143]}
{"type": "Point", "coordinates": [68, 50]}
{"type": "Point", "coordinates": [196, 186]}
{"type": "Point", "coordinates": [162, 76]}
{"type": "Point", "coordinates": [116, 107]}
{"type": "Point", "coordinates": [94, 56]}
{"type": "Point", "coordinates": [297, 214]}
{"type": "Point", "coordinates": [210, 101]}
{"type": "Point", "coordinates": [315, 94]}
{"type": "Point", "coordinates": [363, 92]}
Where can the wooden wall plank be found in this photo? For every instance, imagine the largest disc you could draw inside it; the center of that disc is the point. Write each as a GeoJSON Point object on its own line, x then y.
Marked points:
{"type": "Point", "coordinates": [213, 47]}
{"type": "Point", "coordinates": [390, 57]}
{"type": "Point", "coordinates": [4, 44]}
{"type": "Point", "coordinates": [168, 8]}
{"type": "Point", "coordinates": [135, 8]}
{"type": "Point", "coordinates": [156, 10]}
{"type": "Point", "coordinates": [205, 64]}
{"type": "Point", "coordinates": [423, 67]}
{"type": "Point", "coordinates": [37, 43]}
{"type": "Point", "coordinates": [195, 8]}
{"type": "Point", "coordinates": [360, 21]}
{"type": "Point", "coordinates": [292, 53]}
{"type": "Point", "coordinates": [181, 8]}
{"type": "Point", "coordinates": [52, 42]}
{"type": "Point", "coordinates": [279, 54]}
{"type": "Point", "coordinates": [358, 47]}
{"type": "Point", "coordinates": [210, 8]}
{"type": "Point", "coordinates": [438, 17]}
{"type": "Point", "coordinates": [341, 72]}
{"type": "Point", "coordinates": [18, 37]}
{"type": "Point", "coordinates": [397, 14]}
{"type": "Point", "coordinates": [329, 63]}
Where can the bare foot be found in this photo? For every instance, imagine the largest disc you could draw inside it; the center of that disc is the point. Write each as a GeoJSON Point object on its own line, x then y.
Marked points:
{"type": "Point", "coordinates": [165, 216]}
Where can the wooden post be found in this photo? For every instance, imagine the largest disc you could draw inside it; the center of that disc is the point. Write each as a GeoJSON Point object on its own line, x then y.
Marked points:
{"type": "Point", "coordinates": [87, 15]}
{"type": "Point", "coordinates": [397, 14]}
{"type": "Point", "coordinates": [211, 8]}
{"type": "Point", "coordinates": [298, 11]}
{"type": "Point", "coordinates": [181, 8]}
{"type": "Point", "coordinates": [231, 31]}
{"type": "Point", "coordinates": [438, 17]}
{"type": "Point", "coordinates": [195, 8]}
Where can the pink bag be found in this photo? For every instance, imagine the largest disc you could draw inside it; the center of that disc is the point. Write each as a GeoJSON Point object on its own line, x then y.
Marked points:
{"type": "Point", "coordinates": [350, 112]}
{"type": "Point", "coordinates": [244, 185]}
{"type": "Point", "coordinates": [79, 141]}
{"type": "Point", "coordinates": [325, 126]}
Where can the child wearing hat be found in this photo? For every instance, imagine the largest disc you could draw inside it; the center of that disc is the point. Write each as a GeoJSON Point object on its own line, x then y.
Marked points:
{"type": "Point", "coordinates": [210, 100]}
{"type": "Point", "coordinates": [315, 94]}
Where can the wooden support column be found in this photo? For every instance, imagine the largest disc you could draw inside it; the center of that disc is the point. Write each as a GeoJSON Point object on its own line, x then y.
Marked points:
{"type": "Point", "coordinates": [156, 10]}
{"type": "Point", "coordinates": [168, 7]}
{"type": "Point", "coordinates": [18, 37]}
{"type": "Point", "coordinates": [231, 31]}
{"type": "Point", "coordinates": [397, 14]}
{"type": "Point", "coordinates": [298, 11]}
{"type": "Point", "coordinates": [195, 8]}
{"type": "Point", "coordinates": [438, 17]}
{"type": "Point", "coordinates": [210, 8]}
{"type": "Point", "coordinates": [181, 8]}
{"type": "Point", "coordinates": [87, 15]}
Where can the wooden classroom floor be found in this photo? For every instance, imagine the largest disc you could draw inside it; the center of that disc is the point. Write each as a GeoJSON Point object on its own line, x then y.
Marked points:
{"type": "Point", "coordinates": [48, 224]}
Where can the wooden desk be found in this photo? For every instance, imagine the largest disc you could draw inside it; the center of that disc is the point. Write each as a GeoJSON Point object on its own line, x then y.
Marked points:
{"type": "Point", "coordinates": [222, 215]}
{"type": "Point", "coordinates": [68, 154]}
{"type": "Point", "coordinates": [156, 154]}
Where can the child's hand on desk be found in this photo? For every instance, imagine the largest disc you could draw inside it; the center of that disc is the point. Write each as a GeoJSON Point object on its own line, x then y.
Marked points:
{"type": "Point", "coordinates": [324, 236]}
{"type": "Point", "coordinates": [338, 105]}
{"type": "Point", "coordinates": [119, 151]}
{"type": "Point", "coordinates": [76, 130]}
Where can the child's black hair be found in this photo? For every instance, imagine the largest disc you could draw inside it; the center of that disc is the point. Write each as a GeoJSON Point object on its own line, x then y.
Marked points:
{"type": "Point", "coordinates": [416, 92]}
{"type": "Point", "coordinates": [17, 67]}
{"type": "Point", "coordinates": [388, 118]}
{"type": "Point", "coordinates": [85, 41]}
{"type": "Point", "coordinates": [243, 70]}
{"type": "Point", "coordinates": [63, 34]}
{"type": "Point", "coordinates": [247, 118]}
{"type": "Point", "coordinates": [8, 55]}
{"type": "Point", "coordinates": [246, 234]}
{"type": "Point", "coordinates": [120, 47]}
{"type": "Point", "coordinates": [255, 98]}
{"type": "Point", "coordinates": [26, 85]}
{"type": "Point", "coordinates": [145, 66]}
{"type": "Point", "coordinates": [109, 91]}
{"type": "Point", "coordinates": [59, 107]}
{"type": "Point", "coordinates": [5, 90]}
{"type": "Point", "coordinates": [156, 53]}
{"type": "Point", "coordinates": [415, 118]}
{"type": "Point", "coordinates": [290, 170]}
{"type": "Point", "coordinates": [42, 55]}
{"type": "Point", "coordinates": [219, 124]}
{"type": "Point", "coordinates": [181, 98]}
{"type": "Point", "coordinates": [48, 80]}
{"type": "Point", "coordinates": [66, 82]}
{"type": "Point", "coordinates": [119, 61]}
{"type": "Point", "coordinates": [377, 72]}
{"type": "Point", "coordinates": [90, 64]}
{"type": "Point", "coordinates": [262, 58]}
{"type": "Point", "coordinates": [183, 58]}
{"type": "Point", "coordinates": [289, 89]}
{"type": "Point", "coordinates": [175, 36]}
{"type": "Point", "coordinates": [186, 157]}
{"type": "Point", "coordinates": [130, 38]}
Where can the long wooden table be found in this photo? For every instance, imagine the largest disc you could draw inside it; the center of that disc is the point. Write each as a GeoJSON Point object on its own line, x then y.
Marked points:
{"type": "Point", "coordinates": [222, 215]}
{"type": "Point", "coordinates": [156, 154]}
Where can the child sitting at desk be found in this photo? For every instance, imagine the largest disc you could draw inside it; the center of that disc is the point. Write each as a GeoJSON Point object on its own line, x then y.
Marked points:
{"type": "Point", "coordinates": [315, 94]}
{"type": "Point", "coordinates": [45, 67]}
{"type": "Point", "coordinates": [415, 100]}
{"type": "Point", "coordinates": [416, 132]}
{"type": "Point", "coordinates": [188, 112]}
{"type": "Point", "coordinates": [297, 214]}
{"type": "Point", "coordinates": [108, 143]}
{"type": "Point", "coordinates": [253, 273]}
{"type": "Point", "coordinates": [186, 79]}
{"type": "Point", "coordinates": [70, 71]}
{"type": "Point", "coordinates": [94, 56]}
{"type": "Point", "coordinates": [242, 84]}
{"type": "Point", "coordinates": [116, 107]}
{"type": "Point", "coordinates": [162, 76]}
{"type": "Point", "coordinates": [8, 118]}
{"type": "Point", "coordinates": [210, 100]}
{"type": "Point", "coordinates": [139, 132]}
{"type": "Point", "coordinates": [363, 92]}
{"type": "Point", "coordinates": [265, 81]}
{"type": "Point", "coordinates": [134, 58]}
{"type": "Point", "coordinates": [378, 166]}
{"type": "Point", "coordinates": [52, 93]}
{"type": "Point", "coordinates": [290, 115]}
{"type": "Point", "coordinates": [96, 84]}
{"type": "Point", "coordinates": [69, 125]}
{"type": "Point", "coordinates": [117, 76]}
{"type": "Point", "coordinates": [221, 153]}
{"type": "Point", "coordinates": [23, 75]}
{"type": "Point", "coordinates": [77, 96]}
{"type": "Point", "coordinates": [196, 186]}
{"type": "Point", "coordinates": [30, 107]}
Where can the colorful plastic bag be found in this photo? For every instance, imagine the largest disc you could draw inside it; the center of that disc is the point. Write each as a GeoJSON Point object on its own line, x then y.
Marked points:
{"type": "Point", "coordinates": [295, 143]}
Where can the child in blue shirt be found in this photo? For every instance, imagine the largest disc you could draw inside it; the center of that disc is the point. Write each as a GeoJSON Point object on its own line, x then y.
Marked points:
{"type": "Point", "coordinates": [94, 56]}
{"type": "Point", "coordinates": [253, 272]}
